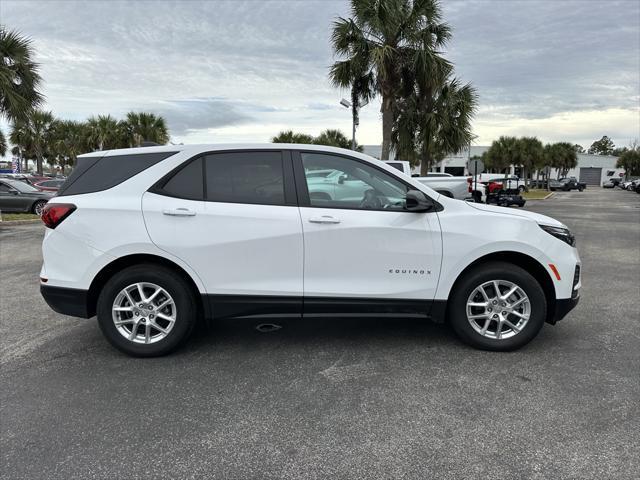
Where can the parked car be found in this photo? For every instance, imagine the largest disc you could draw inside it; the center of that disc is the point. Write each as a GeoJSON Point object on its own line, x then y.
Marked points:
{"type": "Point", "coordinates": [459, 188]}
{"type": "Point", "coordinates": [567, 184]}
{"type": "Point", "coordinates": [51, 185]}
{"type": "Point", "coordinates": [151, 239]}
{"type": "Point", "coordinates": [18, 196]}
{"type": "Point", "coordinates": [609, 183]}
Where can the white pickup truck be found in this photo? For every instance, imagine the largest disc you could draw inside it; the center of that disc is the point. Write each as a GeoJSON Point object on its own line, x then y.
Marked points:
{"type": "Point", "coordinates": [460, 188]}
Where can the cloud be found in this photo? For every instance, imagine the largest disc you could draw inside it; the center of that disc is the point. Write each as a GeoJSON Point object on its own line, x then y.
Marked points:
{"type": "Point", "coordinates": [199, 114]}
{"type": "Point", "coordinates": [231, 70]}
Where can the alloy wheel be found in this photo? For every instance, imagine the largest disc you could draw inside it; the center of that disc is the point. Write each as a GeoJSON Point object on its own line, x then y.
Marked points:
{"type": "Point", "coordinates": [144, 313]}
{"type": "Point", "coordinates": [498, 309]}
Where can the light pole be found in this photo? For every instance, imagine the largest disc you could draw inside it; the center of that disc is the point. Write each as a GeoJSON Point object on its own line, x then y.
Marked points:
{"type": "Point", "coordinates": [355, 109]}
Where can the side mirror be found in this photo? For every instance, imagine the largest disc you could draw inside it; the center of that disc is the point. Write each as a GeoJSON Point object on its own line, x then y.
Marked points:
{"type": "Point", "coordinates": [417, 201]}
{"type": "Point", "coordinates": [341, 179]}
{"type": "Point", "coordinates": [14, 192]}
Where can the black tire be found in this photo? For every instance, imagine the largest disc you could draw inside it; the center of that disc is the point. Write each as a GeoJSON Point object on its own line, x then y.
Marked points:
{"type": "Point", "coordinates": [37, 207]}
{"type": "Point", "coordinates": [580, 188]}
{"type": "Point", "coordinates": [181, 292]}
{"type": "Point", "coordinates": [522, 189]}
{"type": "Point", "coordinates": [457, 314]}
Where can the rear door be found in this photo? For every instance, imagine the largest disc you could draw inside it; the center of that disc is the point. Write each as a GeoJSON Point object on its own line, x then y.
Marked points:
{"type": "Point", "coordinates": [232, 216]}
{"type": "Point", "coordinates": [365, 250]}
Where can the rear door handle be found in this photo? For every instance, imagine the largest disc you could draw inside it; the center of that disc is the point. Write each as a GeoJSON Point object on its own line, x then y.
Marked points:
{"type": "Point", "coordinates": [324, 219]}
{"type": "Point", "coordinates": [179, 212]}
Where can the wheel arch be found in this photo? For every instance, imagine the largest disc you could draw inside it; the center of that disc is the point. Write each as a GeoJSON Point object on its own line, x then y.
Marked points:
{"type": "Point", "coordinates": [528, 263]}
{"type": "Point", "coordinates": [126, 261]}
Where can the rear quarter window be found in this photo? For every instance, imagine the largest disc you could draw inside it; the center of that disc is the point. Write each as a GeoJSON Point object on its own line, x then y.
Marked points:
{"type": "Point", "coordinates": [94, 174]}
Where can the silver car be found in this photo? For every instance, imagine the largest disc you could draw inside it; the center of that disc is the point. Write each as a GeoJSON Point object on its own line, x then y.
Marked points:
{"type": "Point", "coordinates": [17, 196]}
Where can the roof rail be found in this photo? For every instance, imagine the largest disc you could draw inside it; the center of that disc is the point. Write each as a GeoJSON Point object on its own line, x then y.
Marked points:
{"type": "Point", "coordinates": [150, 144]}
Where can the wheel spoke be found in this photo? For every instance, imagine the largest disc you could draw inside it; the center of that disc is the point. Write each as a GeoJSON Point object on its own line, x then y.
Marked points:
{"type": "Point", "coordinates": [124, 321]}
{"type": "Point", "coordinates": [166, 317]}
{"type": "Point", "coordinates": [521, 315]}
{"type": "Point", "coordinates": [485, 326]}
{"type": "Point", "coordinates": [134, 331]}
{"type": "Point", "coordinates": [497, 288]}
{"type": "Point", "coordinates": [123, 309]}
{"type": "Point", "coordinates": [484, 294]}
{"type": "Point", "coordinates": [518, 302]}
{"type": "Point", "coordinates": [147, 332]}
{"type": "Point", "coordinates": [158, 327]}
{"type": "Point", "coordinates": [154, 295]}
{"type": "Point", "coordinates": [512, 326]}
{"type": "Point", "coordinates": [478, 304]}
{"type": "Point", "coordinates": [131, 302]}
{"type": "Point", "coordinates": [480, 315]}
{"type": "Point", "coordinates": [499, 329]}
{"type": "Point", "coordinates": [141, 293]}
{"type": "Point", "coordinates": [168, 301]}
{"type": "Point", "coordinates": [509, 293]}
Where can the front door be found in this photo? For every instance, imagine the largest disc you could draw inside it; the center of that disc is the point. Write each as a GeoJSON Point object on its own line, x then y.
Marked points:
{"type": "Point", "coordinates": [240, 230]}
{"type": "Point", "coordinates": [360, 245]}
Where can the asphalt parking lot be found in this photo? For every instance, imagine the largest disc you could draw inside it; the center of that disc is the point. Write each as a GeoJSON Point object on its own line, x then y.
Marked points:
{"type": "Point", "coordinates": [364, 398]}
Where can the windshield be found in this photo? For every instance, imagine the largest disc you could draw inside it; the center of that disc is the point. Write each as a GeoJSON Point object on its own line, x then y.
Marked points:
{"type": "Point", "coordinates": [22, 187]}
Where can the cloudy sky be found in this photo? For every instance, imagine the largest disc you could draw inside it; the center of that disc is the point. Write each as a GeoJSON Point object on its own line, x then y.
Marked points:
{"type": "Point", "coordinates": [227, 71]}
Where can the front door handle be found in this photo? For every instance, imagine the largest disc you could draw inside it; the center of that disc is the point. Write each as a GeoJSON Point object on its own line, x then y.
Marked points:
{"type": "Point", "coordinates": [179, 212]}
{"type": "Point", "coordinates": [324, 219]}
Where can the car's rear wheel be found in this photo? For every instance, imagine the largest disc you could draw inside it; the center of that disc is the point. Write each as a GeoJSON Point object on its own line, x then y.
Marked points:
{"type": "Point", "coordinates": [147, 310]}
{"type": "Point", "coordinates": [497, 306]}
{"type": "Point", "coordinates": [38, 206]}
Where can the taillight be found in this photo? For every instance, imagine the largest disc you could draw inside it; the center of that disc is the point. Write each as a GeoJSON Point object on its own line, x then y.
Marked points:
{"type": "Point", "coordinates": [469, 181]}
{"type": "Point", "coordinates": [54, 213]}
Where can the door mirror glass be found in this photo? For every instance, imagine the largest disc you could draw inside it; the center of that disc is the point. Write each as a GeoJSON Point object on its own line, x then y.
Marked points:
{"type": "Point", "coordinates": [341, 179]}
{"type": "Point", "coordinates": [417, 201]}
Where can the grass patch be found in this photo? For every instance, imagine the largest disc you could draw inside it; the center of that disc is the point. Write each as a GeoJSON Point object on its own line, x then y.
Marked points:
{"type": "Point", "coordinates": [9, 217]}
{"type": "Point", "coordinates": [535, 194]}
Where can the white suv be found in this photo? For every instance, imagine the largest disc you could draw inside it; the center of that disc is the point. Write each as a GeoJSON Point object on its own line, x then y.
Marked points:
{"type": "Point", "coordinates": [151, 239]}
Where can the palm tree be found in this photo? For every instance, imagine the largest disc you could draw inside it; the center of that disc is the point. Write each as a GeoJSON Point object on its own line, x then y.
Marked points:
{"type": "Point", "coordinates": [3, 144]}
{"type": "Point", "coordinates": [531, 151]}
{"type": "Point", "coordinates": [20, 137]}
{"type": "Point", "coordinates": [67, 141]}
{"type": "Point", "coordinates": [502, 153]}
{"type": "Point", "coordinates": [384, 40]}
{"type": "Point", "coordinates": [19, 78]}
{"type": "Point", "coordinates": [103, 132]}
{"type": "Point", "coordinates": [289, 136]}
{"type": "Point", "coordinates": [335, 138]}
{"type": "Point", "coordinates": [434, 120]}
{"type": "Point", "coordinates": [39, 129]}
{"type": "Point", "coordinates": [146, 127]}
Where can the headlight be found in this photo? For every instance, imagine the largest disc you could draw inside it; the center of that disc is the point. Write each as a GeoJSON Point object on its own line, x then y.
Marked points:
{"type": "Point", "coordinates": [560, 233]}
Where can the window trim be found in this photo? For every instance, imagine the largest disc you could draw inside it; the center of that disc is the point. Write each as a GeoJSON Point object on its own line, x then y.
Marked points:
{"type": "Point", "coordinates": [303, 189]}
{"type": "Point", "coordinates": [290, 192]}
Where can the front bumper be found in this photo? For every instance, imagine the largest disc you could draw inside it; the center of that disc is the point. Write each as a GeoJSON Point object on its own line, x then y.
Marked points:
{"type": "Point", "coordinates": [67, 301]}
{"type": "Point", "coordinates": [563, 307]}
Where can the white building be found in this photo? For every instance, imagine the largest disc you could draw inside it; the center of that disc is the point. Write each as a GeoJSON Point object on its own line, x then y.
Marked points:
{"type": "Point", "coordinates": [591, 169]}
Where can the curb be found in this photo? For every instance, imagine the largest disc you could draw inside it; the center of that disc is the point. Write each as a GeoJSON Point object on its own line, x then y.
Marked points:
{"type": "Point", "coordinates": [551, 194]}
{"type": "Point", "coordinates": [8, 223]}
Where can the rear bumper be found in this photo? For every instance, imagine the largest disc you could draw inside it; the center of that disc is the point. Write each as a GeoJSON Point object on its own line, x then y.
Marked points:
{"type": "Point", "coordinates": [67, 301]}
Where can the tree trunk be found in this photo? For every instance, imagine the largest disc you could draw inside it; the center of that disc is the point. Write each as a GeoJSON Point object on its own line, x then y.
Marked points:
{"type": "Point", "coordinates": [538, 178]}
{"type": "Point", "coordinates": [387, 125]}
{"type": "Point", "coordinates": [425, 164]}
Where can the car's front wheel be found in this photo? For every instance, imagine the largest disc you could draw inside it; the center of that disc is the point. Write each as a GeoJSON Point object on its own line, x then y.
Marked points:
{"type": "Point", "coordinates": [147, 310]}
{"type": "Point", "coordinates": [497, 306]}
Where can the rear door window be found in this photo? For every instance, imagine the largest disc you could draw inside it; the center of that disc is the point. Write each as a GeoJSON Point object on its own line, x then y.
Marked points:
{"type": "Point", "coordinates": [245, 177]}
